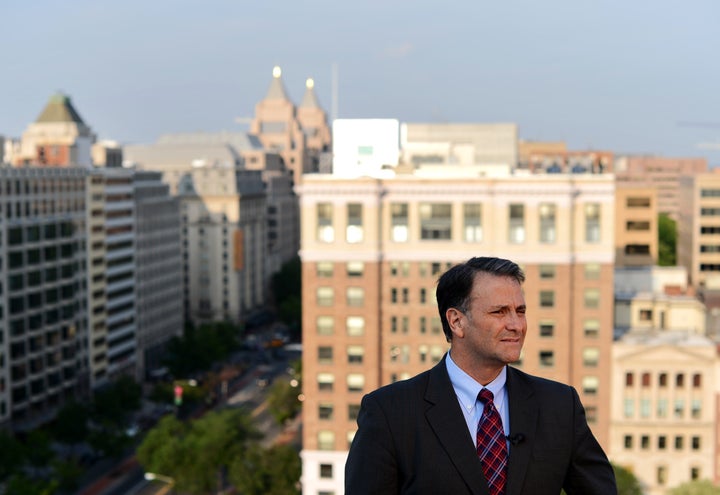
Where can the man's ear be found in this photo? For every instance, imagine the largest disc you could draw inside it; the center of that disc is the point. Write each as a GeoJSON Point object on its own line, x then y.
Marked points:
{"type": "Point", "coordinates": [456, 321]}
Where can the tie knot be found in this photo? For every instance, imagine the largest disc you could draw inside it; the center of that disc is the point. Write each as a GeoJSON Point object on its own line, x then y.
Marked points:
{"type": "Point", "coordinates": [485, 396]}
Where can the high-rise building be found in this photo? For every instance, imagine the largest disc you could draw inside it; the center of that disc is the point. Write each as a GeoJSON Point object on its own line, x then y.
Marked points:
{"type": "Point", "coordinates": [372, 249]}
{"type": "Point", "coordinates": [662, 172]}
{"type": "Point", "coordinates": [636, 225]}
{"type": "Point", "coordinates": [159, 279]}
{"type": "Point", "coordinates": [43, 329]}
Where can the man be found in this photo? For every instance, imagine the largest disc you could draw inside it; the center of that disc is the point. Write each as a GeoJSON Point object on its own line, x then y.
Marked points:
{"type": "Point", "coordinates": [442, 433]}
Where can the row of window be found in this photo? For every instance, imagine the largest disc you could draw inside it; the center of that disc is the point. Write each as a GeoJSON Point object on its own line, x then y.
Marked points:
{"type": "Point", "coordinates": [680, 442]}
{"type": "Point", "coordinates": [436, 222]}
{"type": "Point", "coordinates": [355, 296]}
{"type": "Point", "coordinates": [662, 379]}
{"type": "Point", "coordinates": [398, 354]}
{"type": "Point", "coordinates": [662, 408]}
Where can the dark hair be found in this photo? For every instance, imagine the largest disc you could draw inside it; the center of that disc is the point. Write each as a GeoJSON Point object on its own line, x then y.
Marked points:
{"type": "Point", "coordinates": [455, 285]}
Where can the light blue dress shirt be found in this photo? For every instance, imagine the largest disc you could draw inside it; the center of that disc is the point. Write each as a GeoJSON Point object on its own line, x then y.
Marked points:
{"type": "Point", "coordinates": [467, 390]}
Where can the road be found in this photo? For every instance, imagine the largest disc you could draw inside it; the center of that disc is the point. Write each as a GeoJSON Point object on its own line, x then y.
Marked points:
{"type": "Point", "coordinates": [127, 477]}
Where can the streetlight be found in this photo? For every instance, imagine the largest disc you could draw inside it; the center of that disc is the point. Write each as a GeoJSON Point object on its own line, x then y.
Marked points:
{"type": "Point", "coordinates": [165, 479]}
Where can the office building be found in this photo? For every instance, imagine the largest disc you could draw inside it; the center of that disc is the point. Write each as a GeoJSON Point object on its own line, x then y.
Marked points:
{"type": "Point", "coordinates": [636, 225]}
{"type": "Point", "coordinates": [372, 249]}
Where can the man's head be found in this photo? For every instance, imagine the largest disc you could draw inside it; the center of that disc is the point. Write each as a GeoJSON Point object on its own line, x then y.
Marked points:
{"type": "Point", "coordinates": [455, 286]}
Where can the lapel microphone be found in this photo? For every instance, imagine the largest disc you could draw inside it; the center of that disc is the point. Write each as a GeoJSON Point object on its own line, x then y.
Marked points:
{"type": "Point", "coordinates": [516, 438]}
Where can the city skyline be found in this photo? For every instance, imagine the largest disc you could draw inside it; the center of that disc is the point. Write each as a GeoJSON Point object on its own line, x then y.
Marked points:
{"type": "Point", "coordinates": [611, 76]}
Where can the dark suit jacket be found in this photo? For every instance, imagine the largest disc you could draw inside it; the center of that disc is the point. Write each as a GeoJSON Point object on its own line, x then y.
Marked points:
{"type": "Point", "coordinates": [413, 439]}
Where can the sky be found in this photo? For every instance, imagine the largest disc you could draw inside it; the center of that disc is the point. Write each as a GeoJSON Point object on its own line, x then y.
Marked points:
{"type": "Point", "coordinates": [628, 76]}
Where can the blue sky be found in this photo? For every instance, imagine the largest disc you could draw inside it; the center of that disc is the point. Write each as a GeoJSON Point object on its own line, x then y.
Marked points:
{"type": "Point", "coordinates": [636, 76]}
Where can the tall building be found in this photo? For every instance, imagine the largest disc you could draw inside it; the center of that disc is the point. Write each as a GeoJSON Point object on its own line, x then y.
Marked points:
{"type": "Point", "coordinates": [698, 228]}
{"type": "Point", "coordinates": [372, 250]}
{"type": "Point", "coordinates": [57, 138]}
{"type": "Point", "coordinates": [299, 135]}
{"type": "Point", "coordinates": [636, 225]}
{"type": "Point", "coordinates": [43, 329]}
{"type": "Point", "coordinates": [663, 172]}
{"type": "Point", "coordinates": [159, 279]}
{"type": "Point", "coordinates": [223, 213]}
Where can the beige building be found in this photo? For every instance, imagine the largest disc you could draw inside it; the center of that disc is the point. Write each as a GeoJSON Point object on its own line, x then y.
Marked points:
{"type": "Point", "coordinates": [698, 243]}
{"type": "Point", "coordinates": [554, 157]}
{"type": "Point", "coordinates": [662, 172]}
{"type": "Point", "coordinates": [298, 134]}
{"type": "Point", "coordinates": [372, 250]}
{"type": "Point", "coordinates": [636, 230]}
{"type": "Point", "coordinates": [664, 408]}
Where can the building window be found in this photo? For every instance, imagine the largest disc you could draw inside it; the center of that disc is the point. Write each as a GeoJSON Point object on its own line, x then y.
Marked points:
{"type": "Point", "coordinates": [355, 382]}
{"type": "Point", "coordinates": [326, 440]}
{"type": "Point", "coordinates": [662, 442]}
{"type": "Point", "coordinates": [592, 222]}
{"type": "Point", "coordinates": [399, 222]}
{"type": "Point", "coordinates": [516, 223]}
{"type": "Point", "coordinates": [472, 213]}
{"type": "Point", "coordinates": [645, 442]}
{"type": "Point", "coordinates": [646, 315]}
{"type": "Point", "coordinates": [324, 269]}
{"type": "Point", "coordinates": [325, 325]}
{"type": "Point", "coordinates": [325, 411]}
{"type": "Point", "coordinates": [629, 408]}
{"type": "Point", "coordinates": [547, 359]}
{"type": "Point", "coordinates": [661, 475]}
{"type": "Point", "coordinates": [679, 442]}
{"type": "Point", "coordinates": [326, 470]}
{"type": "Point", "coordinates": [591, 414]}
{"type": "Point", "coordinates": [548, 232]}
{"type": "Point", "coordinates": [354, 231]}
{"type": "Point", "coordinates": [355, 296]}
{"type": "Point", "coordinates": [697, 380]}
{"type": "Point", "coordinates": [435, 221]}
{"type": "Point", "coordinates": [355, 354]}
{"type": "Point", "coordinates": [547, 272]}
{"type": "Point", "coordinates": [355, 326]}
{"type": "Point", "coordinates": [325, 381]}
{"type": "Point", "coordinates": [694, 473]}
{"type": "Point", "coordinates": [695, 409]}
{"type": "Point", "coordinates": [590, 385]}
{"type": "Point", "coordinates": [592, 298]}
{"type": "Point", "coordinates": [325, 296]}
{"type": "Point", "coordinates": [547, 328]}
{"type": "Point", "coordinates": [662, 380]}
{"type": "Point", "coordinates": [325, 355]}
{"type": "Point", "coordinates": [645, 377]}
{"type": "Point", "coordinates": [679, 408]}
{"type": "Point", "coordinates": [592, 271]}
{"type": "Point", "coordinates": [591, 328]}
{"type": "Point", "coordinates": [547, 299]}
{"type": "Point", "coordinates": [629, 379]}
{"type": "Point", "coordinates": [680, 380]}
{"type": "Point", "coordinates": [662, 408]}
{"type": "Point", "coordinates": [423, 295]}
{"type": "Point", "coordinates": [423, 353]}
{"type": "Point", "coordinates": [325, 230]}
{"type": "Point", "coordinates": [591, 356]}
{"type": "Point", "coordinates": [628, 441]}
{"type": "Point", "coordinates": [355, 269]}
{"type": "Point", "coordinates": [695, 443]}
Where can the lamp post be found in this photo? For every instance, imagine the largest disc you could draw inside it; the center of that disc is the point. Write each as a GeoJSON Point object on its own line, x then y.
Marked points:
{"type": "Point", "coordinates": [170, 482]}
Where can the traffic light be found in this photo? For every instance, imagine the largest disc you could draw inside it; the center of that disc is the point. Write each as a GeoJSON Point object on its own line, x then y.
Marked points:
{"type": "Point", "coordinates": [178, 395]}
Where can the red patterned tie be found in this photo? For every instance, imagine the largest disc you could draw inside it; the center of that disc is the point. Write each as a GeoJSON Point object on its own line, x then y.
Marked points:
{"type": "Point", "coordinates": [491, 445]}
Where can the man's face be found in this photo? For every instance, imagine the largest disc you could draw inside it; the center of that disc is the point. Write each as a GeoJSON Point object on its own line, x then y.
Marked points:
{"type": "Point", "coordinates": [495, 325]}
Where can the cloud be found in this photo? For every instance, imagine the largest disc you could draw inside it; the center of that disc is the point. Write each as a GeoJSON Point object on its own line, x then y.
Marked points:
{"type": "Point", "coordinates": [398, 51]}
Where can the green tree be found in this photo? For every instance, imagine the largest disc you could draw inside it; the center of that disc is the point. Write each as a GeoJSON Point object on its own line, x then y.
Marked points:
{"type": "Point", "coordinates": [71, 423]}
{"type": "Point", "coordinates": [114, 403]}
{"type": "Point", "coordinates": [703, 487]}
{"type": "Point", "coordinates": [283, 401]}
{"type": "Point", "coordinates": [627, 483]}
{"type": "Point", "coordinates": [21, 484]}
{"type": "Point", "coordinates": [197, 453]}
{"type": "Point", "coordinates": [199, 348]}
{"type": "Point", "coordinates": [667, 240]}
{"type": "Point", "coordinates": [37, 449]}
{"type": "Point", "coordinates": [287, 288]}
{"type": "Point", "coordinates": [273, 471]}
{"type": "Point", "coordinates": [12, 455]}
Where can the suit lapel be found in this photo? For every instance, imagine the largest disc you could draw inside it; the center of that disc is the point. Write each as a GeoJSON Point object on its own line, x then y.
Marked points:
{"type": "Point", "coordinates": [523, 420]}
{"type": "Point", "coordinates": [446, 420]}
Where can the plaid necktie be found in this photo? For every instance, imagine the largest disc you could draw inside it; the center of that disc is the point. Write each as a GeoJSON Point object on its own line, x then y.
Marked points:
{"type": "Point", "coordinates": [491, 445]}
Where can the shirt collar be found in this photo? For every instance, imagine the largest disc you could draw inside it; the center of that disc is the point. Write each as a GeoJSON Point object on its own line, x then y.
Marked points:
{"type": "Point", "coordinates": [467, 389]}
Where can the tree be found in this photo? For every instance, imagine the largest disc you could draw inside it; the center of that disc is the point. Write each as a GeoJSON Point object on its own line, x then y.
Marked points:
{"type": "Point", "coordinates": [273, 471]}
{"type": "Point", "coordinates": [71, 423]}
{"type": "Point", "coordinates": [12, 455]}
{"type": "Point", "coordinates": [197, 453]}
{"type": "Point", "coordinates": [627, 483]}
{"type": "Point", "coordinates": [283, 401]}
{"type": "Point", "coordinates": [667, 240]}
{"type": "Point", "coordinates": [199, 348]}
{"type": "Point", "coordinates": [704, 487]}
{"type": "Point", "coordinates": [287, 288]}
